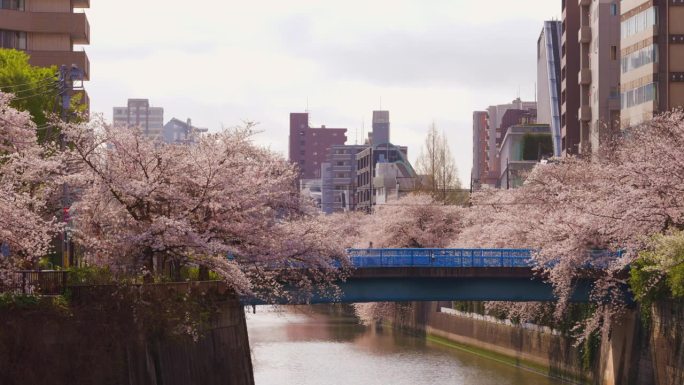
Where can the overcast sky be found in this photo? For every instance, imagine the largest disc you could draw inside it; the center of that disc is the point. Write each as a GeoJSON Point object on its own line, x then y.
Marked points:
{"type": "Point", "coordinates": [221, 62]}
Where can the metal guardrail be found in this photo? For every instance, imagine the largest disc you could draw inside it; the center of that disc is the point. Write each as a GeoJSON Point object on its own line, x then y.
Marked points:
{"type": "Point", "coordinates": [440, 257]}
{"type": "Point", "coordinates": [40, 282]}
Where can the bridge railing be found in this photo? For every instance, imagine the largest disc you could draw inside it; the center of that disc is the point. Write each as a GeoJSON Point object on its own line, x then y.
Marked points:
{"type": "Point", "coordinates": [440, 257]}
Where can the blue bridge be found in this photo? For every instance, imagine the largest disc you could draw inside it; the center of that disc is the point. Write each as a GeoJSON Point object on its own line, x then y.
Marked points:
{"type": "Point", "coordinates": [455, 258]}
{"type": "Point", "coordinates": [391, 275]}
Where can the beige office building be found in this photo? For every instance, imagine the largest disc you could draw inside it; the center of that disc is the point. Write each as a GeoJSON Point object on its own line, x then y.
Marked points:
{"type": "Point", "coordinates": [138, 113]}
{"type": "Point", "coordinates": [48, 30]}
{"type": "Point", "coordinates": [652, 58]}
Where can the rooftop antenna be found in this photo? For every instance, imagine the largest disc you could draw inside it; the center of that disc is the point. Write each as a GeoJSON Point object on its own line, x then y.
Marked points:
{"type": "Point", "coordinates": [363, 128]}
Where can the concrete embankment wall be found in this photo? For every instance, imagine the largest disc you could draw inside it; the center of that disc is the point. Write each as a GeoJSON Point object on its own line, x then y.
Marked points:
{"type": "Point", "coordinates": [667, 342]}
{"type": "Point", "coordinates": [642, 348]}
{"type": "Point", "coordinates": [538, 350]}
{"type": "Point", "coordinates": [101, 340]}
{"type": "Point", "coordinates": [656, 355]}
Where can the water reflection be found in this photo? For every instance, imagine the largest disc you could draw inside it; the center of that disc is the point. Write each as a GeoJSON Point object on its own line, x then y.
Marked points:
{"type": "Point", "coordinates": [304, 347]}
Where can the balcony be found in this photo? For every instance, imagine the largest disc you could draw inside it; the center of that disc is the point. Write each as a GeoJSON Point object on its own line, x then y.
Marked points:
{"type": "Point", "coordinates": [80, 3]}
{"type": "Point", "coordinates": [585, 76]}
{"type": "Point", "coordinates": [74, 24]}
{"type": "Point", "coordinates": [58, 58]}
{"type": "Point", "coordinates": [584, 113]}
{"type": "Point", "coordinates": [584, 35]}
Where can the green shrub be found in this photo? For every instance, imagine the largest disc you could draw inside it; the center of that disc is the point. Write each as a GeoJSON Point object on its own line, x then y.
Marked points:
{"type": "Point", "coordinates": [191, 273]}
{"type": "Point", "coordinates": [659, 271]}
{"type": "Point", "coordinates": [21, 301]}
{"type": "Point", "coordinates": [90, 275]}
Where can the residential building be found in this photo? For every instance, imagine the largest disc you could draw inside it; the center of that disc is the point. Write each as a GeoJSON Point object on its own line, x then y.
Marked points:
{"type": "Point", "coordinates": [479, 171]}
{"type": "Point", "coordinates": [308, 146]}
{"type": "Point", "coordinates": [598, 74]}
{"type": "Point", "coordinates": [570, 66]}
{"type": "Point", "coordinates": [523, 146]}
{"type": "Point", "coordinates": [494, 117]}
{"type": "Point", "coordinates": [338, 178]}
{"type": "Point", "coordinates": [652, 58]}
{"type": "Point", "coordinates": [311, 188]}
{"type": "Point", "coordinates": [178, 131]}
{"type": "Point", "coordinates": [48, 31]}
{"type": "Point", "coordinates": [367, 161]}
{"type": "Point", "coordinates": [377, 150]}
{"type": "Point", "coordinates": [138, 113]}
{"type": "Point", "coordinates": [512, 117]}
{"type": "Point", "coordinates": [391, 183]}
{"type": "Point", "coordinates": [549, 81]}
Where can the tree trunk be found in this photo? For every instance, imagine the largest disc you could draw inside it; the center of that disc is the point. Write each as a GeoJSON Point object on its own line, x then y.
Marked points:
{"type": "Point", "coordinates": [175, 271]}
{"type": "Point", "coordinates": [203, 273]}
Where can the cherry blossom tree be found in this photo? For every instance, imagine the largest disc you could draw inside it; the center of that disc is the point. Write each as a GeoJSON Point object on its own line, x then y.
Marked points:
{"type": "Point", "coordinates": [29, 175]}
{"type": "Point", "coordinates": [572, 209]}
{"type": "Point", "coordinates": [414, 221]}
{"type": "Point", "coordinates": [223, 204]}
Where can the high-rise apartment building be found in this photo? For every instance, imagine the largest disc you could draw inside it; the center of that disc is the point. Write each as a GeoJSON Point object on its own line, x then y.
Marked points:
{"type": "Point", "coordinates": [48, 30]}
{"type": "Point", "coordinates": [652, 58]}
{"type": "Point", "coordinates": [596, 68]}
{"type": "Point", "coordinates": [599, 75]}
{"type": "Point", "coordinates": [549, 81]}
{"type": "Point", "coordinates": [138, 113]}
{"type": "Point", "coordinates": [308, 146]}
{"type": "Point", "coordinates": [570, 66]}
{"type": "Point", "coordinates": [479, 170]}
{"type": "Point", "coordinates": [338, 178]}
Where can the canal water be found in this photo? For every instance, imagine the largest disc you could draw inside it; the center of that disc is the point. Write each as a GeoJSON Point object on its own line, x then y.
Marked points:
{"type": "Point", "coordinates": [301, 346]}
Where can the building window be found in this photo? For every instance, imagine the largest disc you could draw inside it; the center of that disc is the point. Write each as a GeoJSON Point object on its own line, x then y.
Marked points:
{"type": "Point", "coordinates": [17, 5]}
{"type": "Point", "coordinates": [639, 95]}
{"type": "Point", "coordinates": [614, 9]}
{"type": "Point", "coordinates": [613, 52]}
{"type": "Point", "coordinates": [638, 23]}
{"type": "Point", "coordinates": [641, 57]}
{"type": "Point", "coordinates": [12, 39]}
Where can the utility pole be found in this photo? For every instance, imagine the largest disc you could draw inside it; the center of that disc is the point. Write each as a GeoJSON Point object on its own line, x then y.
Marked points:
{"type": "Point", "coordinates": [67, 76]}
